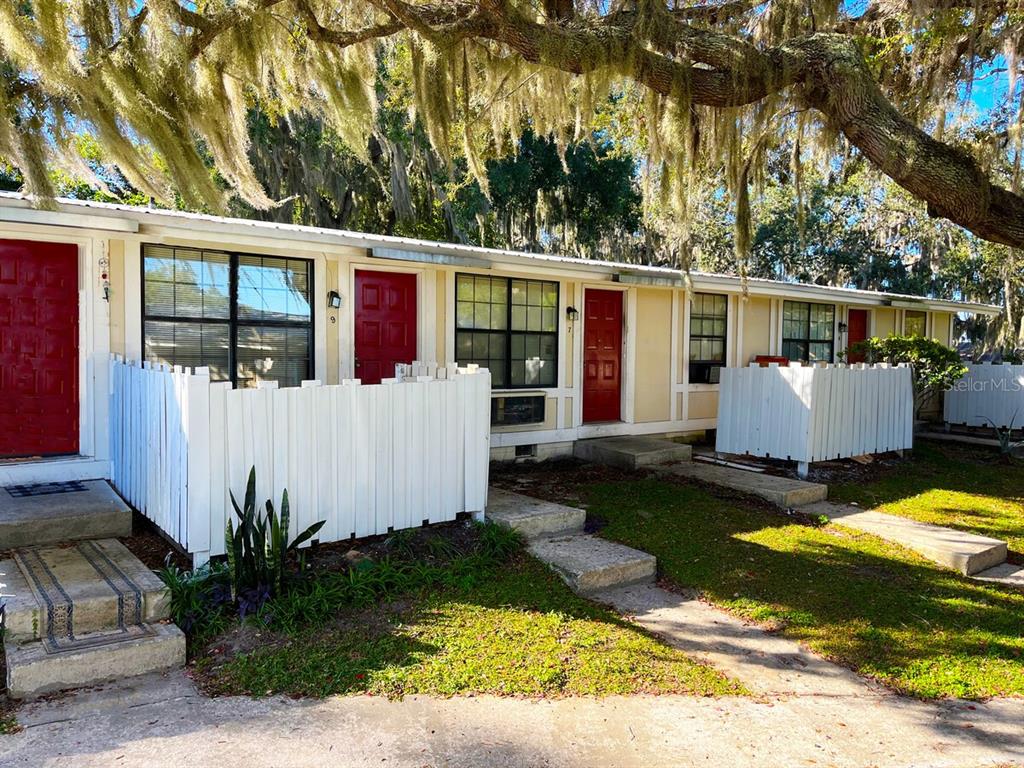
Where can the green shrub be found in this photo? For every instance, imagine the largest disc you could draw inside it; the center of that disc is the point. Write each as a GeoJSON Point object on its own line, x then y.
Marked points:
{"type": "Point", "coordinates": [935, 367]}
{"type": "Point", "coordinates": [258, 548]}
{"type": "Point", "coordinates": [198, 598]}
{"type": "Point", "coordinates": [498, 542]}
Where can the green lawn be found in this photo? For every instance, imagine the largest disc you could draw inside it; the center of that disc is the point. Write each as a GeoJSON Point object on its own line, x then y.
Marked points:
{"type": "Point", "coordinates": [872, 606]}
{"type": "Point", "coordinates": [518, 631]}
{"type": "Point", "coordinates": [957, 486]}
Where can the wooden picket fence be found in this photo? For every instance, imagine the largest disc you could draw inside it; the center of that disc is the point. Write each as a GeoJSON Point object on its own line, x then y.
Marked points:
{"type": "Point", "coordinates": [988, 395]}
{"type": "Point", "coordinates": [815, 413]}
{"type": "Point", "coordinates": [368, 459]}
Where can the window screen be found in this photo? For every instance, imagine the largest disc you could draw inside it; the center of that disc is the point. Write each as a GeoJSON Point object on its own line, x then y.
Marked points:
{"type": "Point", "coordinates": [708, 316]}
{"type": "Point", "coordinates": [509, 326]}
{"type": "Point", "coordinates": [808, 331]}
{"type": "Point", "coordinates": [246, 317]}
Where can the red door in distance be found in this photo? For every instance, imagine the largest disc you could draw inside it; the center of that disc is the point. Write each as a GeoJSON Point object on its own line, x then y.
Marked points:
{"type": "Point", "coordinates": [385, 323]}
{"type": "Point", "coordinates": [856, 330]}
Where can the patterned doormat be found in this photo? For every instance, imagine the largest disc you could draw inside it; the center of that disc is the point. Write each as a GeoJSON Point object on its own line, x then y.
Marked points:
{"type": "Point", "coordinates": [45, 489]}
{"type": "Point", "coordinates": [58, 608]}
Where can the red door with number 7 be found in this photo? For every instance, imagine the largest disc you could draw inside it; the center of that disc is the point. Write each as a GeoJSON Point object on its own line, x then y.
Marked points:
{"type": "Point", "coordinates": [602, 355]}
{"type": "Point", "coordinates": [385, 323]}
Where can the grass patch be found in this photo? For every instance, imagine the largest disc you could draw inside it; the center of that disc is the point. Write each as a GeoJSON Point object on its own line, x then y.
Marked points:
{"type": "Point", "coordinates": [952, 485]}
{"type": "Point", "coordinates": [853, 598]}
{"type": "Point", "coordinates": [513, 629]}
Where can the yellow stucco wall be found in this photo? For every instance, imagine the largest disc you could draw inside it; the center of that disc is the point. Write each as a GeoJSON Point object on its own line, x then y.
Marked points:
{"type": "Point", "coordinates": [440, 276]}
{"type": "Point", "coordinates": [571, 329]}
{"type": "Point", "coordinates": [703, 405]}
{"type": "Point", "coordinates": [333, 324]}
{"type": "Point", "coordinates": [653, 355]}
{"type": "Point", "coordinates": [757, 316]}
{"type": "Point", "coordinates": [940, 326]}
{"type": "Point", "coordinates": [115, 252]}
{"type": "Point", "coordinates": [885, 322]}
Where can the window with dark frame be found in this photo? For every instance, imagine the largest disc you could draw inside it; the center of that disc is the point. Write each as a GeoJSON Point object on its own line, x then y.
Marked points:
{"type": "Point", "coordinates": [808, 331]}
{"type": "Point", "coordinates": [247, 317]}
{"type": "Point", "coordinates": [708, 321]}
{"type": "Point", "coordinates": [915, 323]}
{"type": "Point", "coordinates": [510, 327]}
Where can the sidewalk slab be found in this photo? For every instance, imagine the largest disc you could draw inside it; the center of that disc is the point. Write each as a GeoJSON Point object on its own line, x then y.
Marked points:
{"type": "Point", "coordinates": [631, 452]}
{"type": "Point", "coordinates": [589, 563]}
{"type": "Point", "coordinates": [1007, 574]}
{"type": "Point", "coordinates": [764, 662]}
{"type": "Point", "coordinates": [962, 551]}
{"type": "Point", "coordinates": [532, 518]}
{"type": "Point", "coordinates": [783, 492]}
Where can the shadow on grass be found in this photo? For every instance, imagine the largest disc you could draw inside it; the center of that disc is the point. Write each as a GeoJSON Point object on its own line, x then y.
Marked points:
{"type": "Point", "coordinates": [874, 607]}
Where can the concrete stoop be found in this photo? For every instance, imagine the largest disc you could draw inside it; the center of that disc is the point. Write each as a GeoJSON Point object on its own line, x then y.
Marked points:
{"type": "Point", "coordinates": [631, 452]}
{"type": "Point", "coordinates": [31, 671]}
{"type": "Point", "coordinates": [81, 614]}
{"type": "Point", "coordinates": [588, 564]}
{"type": "Point", "coordinates": [50, 513]}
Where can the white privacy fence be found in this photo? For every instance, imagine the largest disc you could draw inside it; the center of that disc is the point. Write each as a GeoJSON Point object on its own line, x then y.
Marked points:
{"type": "Point", "coordinates": [815, 413]}
{"type": "Point", "coordinates": [987, 395]}
{"type": "Point", "coordinates": [366, 458]}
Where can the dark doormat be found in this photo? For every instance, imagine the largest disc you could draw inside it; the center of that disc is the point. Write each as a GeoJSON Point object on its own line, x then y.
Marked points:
{"type": "Point", "coordinates": [45, 489]}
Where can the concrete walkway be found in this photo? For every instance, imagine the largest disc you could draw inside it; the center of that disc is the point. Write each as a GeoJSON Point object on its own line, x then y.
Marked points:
{"type": "Point", "coordinates": [973, 555]}
{"type": "Point", "coordinates": [164, 722]}
{"type": "Point", "coordinates": [783, 492]}
{"type": "Point", "coordinates": [766, 663]}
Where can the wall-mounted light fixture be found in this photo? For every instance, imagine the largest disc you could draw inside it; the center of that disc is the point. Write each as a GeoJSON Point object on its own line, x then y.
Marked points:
{"type": "Point", "coordinates": [333, 299]}
{"type": "Point", "coordinates": [572, 314]}
{"type": "Point", "coordinates": [842, 327]}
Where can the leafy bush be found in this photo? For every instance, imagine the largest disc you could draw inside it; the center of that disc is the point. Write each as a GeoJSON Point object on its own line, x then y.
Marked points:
{"type": "Point", "coordinates": [497, 542]}
{"type": "Point", "coordinates": [258, 549]}
{"type": "Point", "coordinates": [198, 598]}
{"type": "Point", "coordinates": [935, 367]}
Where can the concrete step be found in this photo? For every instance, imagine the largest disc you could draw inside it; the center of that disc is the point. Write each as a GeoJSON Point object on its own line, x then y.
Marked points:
{"type": "Point", "coordinates": [966, 552]}
{"type": "Point", "coordinates": [101, 581]}
{"type": "Point", "coordinates": [631, 452]}
{"type": "Point", "coordinates": [532, 518]}
{"type": "Point", "coordinates": [783, 492]}
{"type": "Point", "coordinates": [32, 670]}
{"type": "Point", "coordinates": [49, 513]}
{"type": "Point", "coordinates": [589, 564]}
{"type": "Point", "coordinates": [1007, 574]}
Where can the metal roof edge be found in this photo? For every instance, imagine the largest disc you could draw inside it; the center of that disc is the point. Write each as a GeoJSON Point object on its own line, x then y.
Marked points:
{"type": "Point", "coordinates": [412, 249]}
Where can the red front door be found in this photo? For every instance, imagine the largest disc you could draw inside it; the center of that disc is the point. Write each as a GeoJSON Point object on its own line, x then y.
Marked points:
{"type": "Point", "coordinates": [385, 323]}
{"type": "Point", "coordinates": [38, 348]}
{"type": "Point", "coordinates": [602, 356]}
{"type": "Point", "coordinates": [856, 330]}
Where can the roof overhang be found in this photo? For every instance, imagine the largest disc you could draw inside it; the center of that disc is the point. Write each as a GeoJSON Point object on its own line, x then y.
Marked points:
{"type": "Point", "coordinates": [142, 221]}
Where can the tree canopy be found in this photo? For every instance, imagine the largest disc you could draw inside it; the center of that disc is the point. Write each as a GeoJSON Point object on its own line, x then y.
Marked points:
{"type": "Point", "coordinates": [707, 94]}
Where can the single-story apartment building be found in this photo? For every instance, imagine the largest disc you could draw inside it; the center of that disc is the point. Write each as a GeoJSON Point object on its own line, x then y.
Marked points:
{"type": "Point", "coordinates": [576, 348]}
